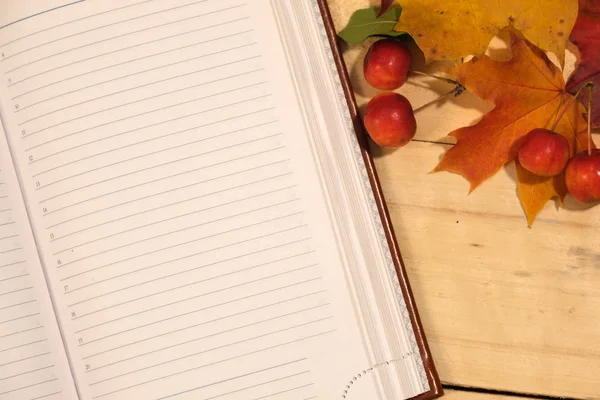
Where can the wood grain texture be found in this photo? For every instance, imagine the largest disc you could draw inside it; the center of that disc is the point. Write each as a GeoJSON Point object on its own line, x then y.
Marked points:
{"type": "Point", "coordinates": [504, 307]}
{"type": "Point", "coordinates": [460, 395]}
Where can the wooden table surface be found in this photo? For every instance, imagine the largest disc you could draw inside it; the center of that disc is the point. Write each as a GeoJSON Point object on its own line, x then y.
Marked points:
{"type": "Point", "coordinates": [506, 309]}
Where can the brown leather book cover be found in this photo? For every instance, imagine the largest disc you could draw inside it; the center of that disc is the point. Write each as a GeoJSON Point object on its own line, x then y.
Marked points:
{"type": "Point", "coordinates": [436, 389]}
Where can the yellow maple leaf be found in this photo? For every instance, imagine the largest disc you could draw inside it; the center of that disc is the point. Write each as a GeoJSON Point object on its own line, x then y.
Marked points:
{"type": "Point", "coordinates": [535, 191]}
{"type": "Point", "coordinates": [451, 29]}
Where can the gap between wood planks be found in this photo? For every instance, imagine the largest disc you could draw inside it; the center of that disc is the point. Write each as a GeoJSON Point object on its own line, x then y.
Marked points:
{"type": "Point", "coordinates": [472, 389]}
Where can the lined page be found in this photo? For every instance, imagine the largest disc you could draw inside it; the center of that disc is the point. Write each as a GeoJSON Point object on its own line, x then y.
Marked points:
{"type": "Point", "coordinates": [33, 364]}
{"type": "Point", "coordinates": [180, 223]}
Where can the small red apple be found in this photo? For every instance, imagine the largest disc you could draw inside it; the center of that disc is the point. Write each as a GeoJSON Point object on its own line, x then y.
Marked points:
{"type": "Point", "coordinates": [583, 176]}
{"type": "Point", "coordinates": [544, 153]}
{"type": "Point", "coordinates": [390, 120]}
{"type": "Point", "coordinates": [386, 64]}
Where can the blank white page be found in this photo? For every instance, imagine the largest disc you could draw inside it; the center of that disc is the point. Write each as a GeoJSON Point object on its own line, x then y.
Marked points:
{"type": "Point", "coordinates": [33, 363]}
{"type": "Point", "coordinates": [179, 213]}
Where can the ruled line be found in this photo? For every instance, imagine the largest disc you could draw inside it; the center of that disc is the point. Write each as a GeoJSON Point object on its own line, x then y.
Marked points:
{"type": "Point", "coordinates": [201, 323]}
{"type": "Point", "coordinates": [16, 291]}
{"type": "Point", "coordinates": [153, 125]}
{"type": "Point", "coordinates": [208, 308]}
{"type": "Point", "coordinates": [23, 331]}
{"type": "Point", "coordinates": [271, 395]}
{"type": "Point", "coordinates": [146, 113]}
{"type": "Point", "coordinates": [217, 362]}
{"type": "Point", "coordinates": [41, 13]}
{"type": "Point", "coordinates": [203, 337]}
{"type": "Point", "coordinates": [161, 179]}
{"type": "Point", "coordinates": [26, 373]}
{"type": "Point", "coordinates": [18, 319]}
{"type": "Point", "coordinates": [96, 282]}
{"type": "Point", "coordinates": [135, 88]}
{"type": "Point", "coordinates": [70, 22]}
{"type": "Point", "coordinates": [144, 141]}
{"type": "Point", "coordinates": [63, 265]}
{"type": "Point", "coordinates": [12, 264]}
{"type": "Point", "coordinates": [11, 250]}
{"type": "Point", "coordinates": [237, 377]}
{"type": "Point", "coordinates": [121, 36]}
{"type": "Point", "coordinates": [98, 28]}
{"type": "Point", "coordinates": [193, 284]}
{"type": "Point", "coordinates": [189, 256]}
{"type": "Point", "coordinates": [164, 206]}
{"type": "Point", "coordinates": [188, 228]}
{"type": "Point", "coordinates": [29, 386]}
{"type": "Point", "coordinates": [22, 345]}
{"type": "Point", "coordinates": [220, 135]}
{"type": "Point", "coordinates": [137, 285]}
{"type": "Point", "coordinates": [14, 277]}
{"type": "Point", "coordinates": [25, 359]}
{"type": "Point", "coordinates": [284, 391]}
{"type": "Point", "coordinates": [156, 165]}
{"type": "Point", "coordinates": [206, 337]}
{"type": "Point", "coordinates": [16, 305]}
{"type": "Point", "coordinates": [118, 65]}
{"type": "Point", "coordinates": [46, 396]}
{"type": "Point", "coordinates": [181, 216]}
{"type": "Point", "coordinates": [169, 177]}
{"type": "Point", "coordinates": [254, 373]}
{"type": "Point", "coordinates": [189, 298]}
{"type": "Point", "coordinates": [209, 350]}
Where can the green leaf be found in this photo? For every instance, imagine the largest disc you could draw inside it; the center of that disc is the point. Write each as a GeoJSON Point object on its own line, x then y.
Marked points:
{"type": "Point", "coordinates": [365, 23]}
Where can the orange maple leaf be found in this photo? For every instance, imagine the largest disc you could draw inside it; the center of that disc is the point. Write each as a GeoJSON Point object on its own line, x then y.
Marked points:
{"type": "Point", "coordinates": [528, 92]}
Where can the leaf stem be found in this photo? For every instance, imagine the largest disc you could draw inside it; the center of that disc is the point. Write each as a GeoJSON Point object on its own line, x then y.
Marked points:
{"type": "Point", "coordinates": [589, 117]}
{"type": "Point", "coordinates": [448, 80]}
{"type": "Point", "coordinates": [579, 81]}
{"type": "Point", "coordinates": [559, 117]}
{"type": "Point", "coordinates": [457, 91]}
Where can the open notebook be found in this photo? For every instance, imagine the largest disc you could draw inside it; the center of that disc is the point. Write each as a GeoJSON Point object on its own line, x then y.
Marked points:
{"type": "Point", "coordinates": [187, 211]}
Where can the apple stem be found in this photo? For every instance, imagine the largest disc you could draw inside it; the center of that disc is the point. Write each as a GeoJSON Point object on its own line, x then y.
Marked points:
{"type": "Point", "coordinates": [448, 80]}
{"type": "Point", "coordinates": [589, 117]}
{"type": "Point", "coordinates": [562, 113]}
{"type": "Point", "coordinates": [457, 91]}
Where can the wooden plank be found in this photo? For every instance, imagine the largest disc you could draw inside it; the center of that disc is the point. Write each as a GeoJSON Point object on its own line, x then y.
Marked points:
{"type": "Point", "coordinates": [504, 307]}
{"type": "Point", "coordinates": [461, 395]}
